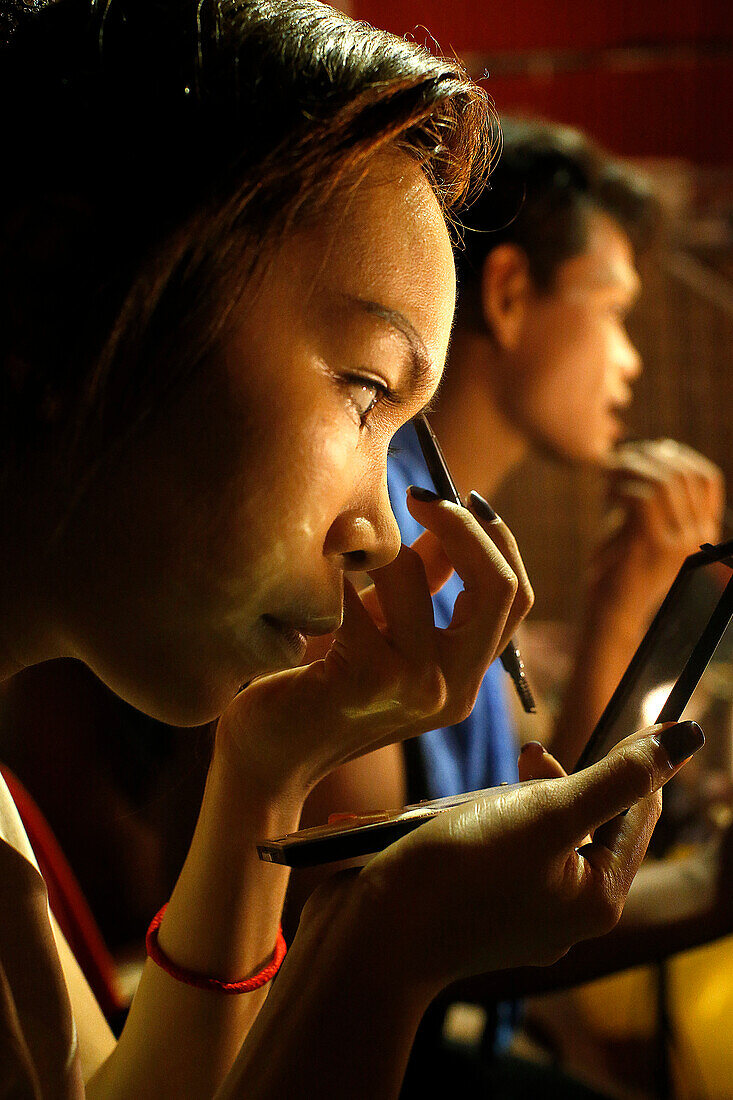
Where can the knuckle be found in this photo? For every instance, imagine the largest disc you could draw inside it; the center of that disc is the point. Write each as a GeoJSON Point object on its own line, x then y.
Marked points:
{"type": "Point", "coordinates": [606, 907]}
{"type": "Point", "coordinates": [461, 703]}
{"type": "Point", "coordinates": [716, 477]}
{"type": "Point", "coordinates": [642, 771]}
{"type": "Point", "coordinates": [507, 584]}
{"type": "Point", "coordinates": [432, 689]}
{"type": "Point", "coordinates": [525, 597]}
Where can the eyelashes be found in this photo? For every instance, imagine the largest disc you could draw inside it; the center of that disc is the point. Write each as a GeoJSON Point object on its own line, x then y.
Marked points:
{"type": "Point", "coordinates": [366, 394]}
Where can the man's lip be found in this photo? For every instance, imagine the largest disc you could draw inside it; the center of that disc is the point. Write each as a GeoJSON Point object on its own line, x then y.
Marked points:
{"type": "Point", "coordinates": [620, 428]}
{"type": "Point", "coordinates": [622, 402]}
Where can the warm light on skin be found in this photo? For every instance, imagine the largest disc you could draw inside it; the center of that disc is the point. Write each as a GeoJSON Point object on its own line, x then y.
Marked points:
{"type": "Point", "coordinates": [568, 380]}
{"type": "Point", "coordinates": [262, 485]}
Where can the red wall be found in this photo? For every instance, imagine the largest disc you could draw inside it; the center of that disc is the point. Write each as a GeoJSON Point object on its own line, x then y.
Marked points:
{"type": "Point", "coordinates": [646, 78]}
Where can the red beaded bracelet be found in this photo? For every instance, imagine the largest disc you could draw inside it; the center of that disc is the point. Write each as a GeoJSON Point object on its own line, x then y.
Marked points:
{"type": "Point", "coordinates": [200, 981]}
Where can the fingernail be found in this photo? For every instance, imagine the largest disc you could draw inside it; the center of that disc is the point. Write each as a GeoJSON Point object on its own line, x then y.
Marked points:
{"type": "Point", "coordinates": [680, 741]}
{"type": "Point", "coordinates": [532, 745]}
{"type": "Point", "coordinates": [481, 507]}
{"type": "Point", "coordinates": [425, 495]}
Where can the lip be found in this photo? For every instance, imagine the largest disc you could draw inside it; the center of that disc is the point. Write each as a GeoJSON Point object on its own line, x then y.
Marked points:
{"type": "Point", "coordinates": [294, 640]}
{"type": "Point", "coordinates": [316, 628]}
{"type": "Point", "coordinates": [616, 410]}
{"type": "Point", "coordinates": [622, 402]}
{"type": "Point", "coordinates": [618, 427]}
{"type": "Point", "coordinates": [296, 632]}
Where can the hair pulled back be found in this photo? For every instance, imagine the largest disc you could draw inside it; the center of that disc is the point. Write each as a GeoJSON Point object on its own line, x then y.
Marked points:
{"type": "Point", "coordinates": [155, 153]}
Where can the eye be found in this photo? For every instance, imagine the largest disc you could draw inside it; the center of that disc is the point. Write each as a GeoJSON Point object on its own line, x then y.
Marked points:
{"type": "Point", "coordinates": [364, 394]}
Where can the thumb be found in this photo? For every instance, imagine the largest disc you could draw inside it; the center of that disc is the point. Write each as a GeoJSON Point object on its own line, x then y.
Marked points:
{"type": "Point", "coordinates": [632, 770]}
{"type": "Point", "coordinates": [535, 762]}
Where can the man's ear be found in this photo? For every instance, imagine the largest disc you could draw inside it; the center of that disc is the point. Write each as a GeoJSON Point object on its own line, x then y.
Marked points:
{"type": "Point", "coordinates": [506, 285]}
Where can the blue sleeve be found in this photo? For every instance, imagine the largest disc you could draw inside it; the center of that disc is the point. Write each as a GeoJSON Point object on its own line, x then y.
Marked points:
{"type": "Point", "coordinates": [482, 750]}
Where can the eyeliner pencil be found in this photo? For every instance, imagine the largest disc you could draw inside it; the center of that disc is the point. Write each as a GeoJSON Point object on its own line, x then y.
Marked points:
{"type": "Point", "coordinates": [445, 486]}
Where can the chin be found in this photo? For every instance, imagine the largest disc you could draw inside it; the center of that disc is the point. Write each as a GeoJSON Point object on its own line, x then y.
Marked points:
{"type": "Point", "coordinates": [576, 452]}
{"type": "Point", "coordinates": [598, 453]}
{"type": "Point", "coordinates": [176, 697]}
{"type": "Point", "coordinates": [188, 709]}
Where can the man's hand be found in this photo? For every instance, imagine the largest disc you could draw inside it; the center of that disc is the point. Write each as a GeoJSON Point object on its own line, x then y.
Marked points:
{"type": "Point", "coordinates": [666, 500]}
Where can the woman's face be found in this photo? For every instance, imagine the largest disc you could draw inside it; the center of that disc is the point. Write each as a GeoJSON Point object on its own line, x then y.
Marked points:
{"type": "Point", "coordinates": [223, 536]}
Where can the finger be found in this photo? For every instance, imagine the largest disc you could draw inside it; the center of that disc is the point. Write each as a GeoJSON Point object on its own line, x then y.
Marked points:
{"type": "Point", "coordinates": [617, 849]}
{"type": "Point", "coordinates": [700, 481]}
{"type": "Point", "coordinates": [502, 537]}
{"type": "Point", "coordinates": [705, 485]}
{"type": "Point", "coordinates": [664, 513]}
{"type": "Point", "coordinates": [358, 631]}
{"type": "Point", "coordinates": [681, 456]}
{"type": "Point", "coordinates": [535, 762]}
{"type": "Point", "coordinates": [654, 490]}
{"type": "Point", "coordinates": [682, 468]}
{"type": "Point", "coordinates": [404, 596]}
{"type": "Point", "coordinates": [633, 461]}
{"type": "Point", "coordinates": [639, 476]}
{"type": "Point", "coordinates": [633, 770]}
{"type": "Point", "coordinates": [618, 831]}
{"type": "Point", "coordinates": [438, 568]}
{"type": "Point", "coordinates": [485, 610]}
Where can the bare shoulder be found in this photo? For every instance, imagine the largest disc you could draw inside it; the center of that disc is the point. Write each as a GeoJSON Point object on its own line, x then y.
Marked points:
{"type": "Point", "coordinates": [50, 1017]}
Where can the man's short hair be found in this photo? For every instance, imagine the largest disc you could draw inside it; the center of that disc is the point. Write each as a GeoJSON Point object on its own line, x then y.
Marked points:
{"type": "Point", "coordinates": [547, 181]}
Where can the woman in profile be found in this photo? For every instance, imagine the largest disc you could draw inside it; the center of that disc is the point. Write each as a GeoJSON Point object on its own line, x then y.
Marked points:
{"type": "Point", "coordinates": [227, 281]}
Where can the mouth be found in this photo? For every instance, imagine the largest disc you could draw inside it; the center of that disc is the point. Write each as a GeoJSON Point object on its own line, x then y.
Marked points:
{"type": "Point", "coordinates": [616, 411]}
{"type": "Point", "coordinates": [621, 402]}
{"type": "Point", "coordinates": [295, 634]}
{"type": "Point", "coordinates": [290, 638]}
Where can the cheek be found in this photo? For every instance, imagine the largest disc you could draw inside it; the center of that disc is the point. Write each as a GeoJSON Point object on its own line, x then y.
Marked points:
{"type": "Point", "coordinates": [562, 403]}
{"type": "Point", "coordinates": [291, 494]}
{"type": "Point", "coordinates": [573, 374]}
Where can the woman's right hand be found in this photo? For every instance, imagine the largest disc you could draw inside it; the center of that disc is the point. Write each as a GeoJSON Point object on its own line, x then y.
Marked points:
{"type": "Point", "coordinates": [516, 878]}
{"type": "Point", "coordinates": [389, 673]}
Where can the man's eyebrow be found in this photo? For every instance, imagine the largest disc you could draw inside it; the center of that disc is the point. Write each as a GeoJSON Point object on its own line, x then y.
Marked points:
{"type": "Point", "coordinates": [422, 369]}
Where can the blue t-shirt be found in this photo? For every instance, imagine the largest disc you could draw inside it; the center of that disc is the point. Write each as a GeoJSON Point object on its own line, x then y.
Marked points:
{"type": "Point", "coordinates": [481, 751]}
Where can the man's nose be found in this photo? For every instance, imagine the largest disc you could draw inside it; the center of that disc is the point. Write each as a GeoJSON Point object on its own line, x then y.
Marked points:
{"type": "Point", "coordinates": [630, 359]}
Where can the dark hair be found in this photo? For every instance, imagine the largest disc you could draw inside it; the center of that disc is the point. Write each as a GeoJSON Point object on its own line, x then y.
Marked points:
{"type": "Point", "coordinates": [547, 180]}
{"type": "Point", "coordinates": [155, 152]}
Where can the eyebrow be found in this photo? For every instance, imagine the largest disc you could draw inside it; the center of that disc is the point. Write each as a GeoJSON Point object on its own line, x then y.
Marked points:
{"type": "Point", "coordinates": [422, 370]}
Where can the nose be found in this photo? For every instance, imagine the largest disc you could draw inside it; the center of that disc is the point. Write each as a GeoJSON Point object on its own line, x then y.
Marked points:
{"type": "Point", "coordinates": [629, 358]}
{"type": "Point", "coordinates": [365, 535]}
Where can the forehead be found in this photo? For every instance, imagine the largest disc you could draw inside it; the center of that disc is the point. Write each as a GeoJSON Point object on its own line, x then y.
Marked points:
{"type": "Point", "coordinates": [384, 241]}
{"type": "Point", "coordinates": [607, 264]}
